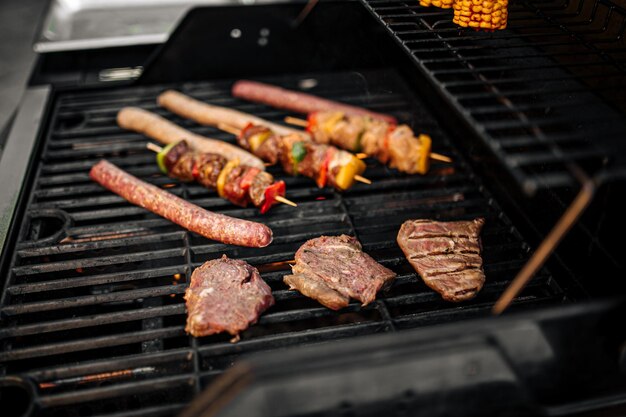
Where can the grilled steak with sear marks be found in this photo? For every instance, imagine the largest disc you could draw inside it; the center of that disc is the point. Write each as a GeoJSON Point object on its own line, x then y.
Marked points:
{"type": "Point", "coordinates": [333, 269]}
{"type": "Point", "coordinates": [446, 255]}
{"type": "Point", "coordinates": [225, 295]}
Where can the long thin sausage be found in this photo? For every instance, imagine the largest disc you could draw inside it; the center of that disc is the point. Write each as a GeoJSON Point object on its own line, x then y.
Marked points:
{"type": "Point", "coordinates": [164, 131]}
{"type": "Point", "coordinates": [295, 101]}
{"type": "Point", "coordinates": [208, 114]}
{"type": "Point", "coordinates": [196, 219]}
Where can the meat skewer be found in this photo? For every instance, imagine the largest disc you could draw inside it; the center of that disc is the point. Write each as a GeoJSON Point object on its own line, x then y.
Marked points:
{"type": "Point", "coordinates": [282, 98]}
{"type": "Point", "coordinates": [296, 153]}
{"type": "Point", "coordinates": [166, 132]}
{"type": "Point", "coordinates": [196, 219]}
{"type": "Point", "coordinates": [333, 269]}
{"type": "Point", "coordinates": [351, 128]}
{"type": "Point", "coordinates": [239, 184]}
{"type": "Point", "coordinates": [390, 144]}
{"type": "Point", "coordinates": [354, 141]}
{"type": "Point", "coordinates": [446, 255]}
{"type": "Point", "coordinates": [225, 295]}
{"type": "Point", "coordinates": [326, 164]}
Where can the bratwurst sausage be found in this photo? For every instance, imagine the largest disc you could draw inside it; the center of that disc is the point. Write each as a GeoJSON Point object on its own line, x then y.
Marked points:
{"type": "Point", "coordinates": [295, 101]}
{"type": "Point", "coordinates": [207, 114]}
{"type": "Point", "coordinates": [196, 219]}
{"type": "Point", "coordinates": [164, 131]}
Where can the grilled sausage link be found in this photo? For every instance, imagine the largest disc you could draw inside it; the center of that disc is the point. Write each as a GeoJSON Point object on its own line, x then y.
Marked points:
{"type": "Point", "coordinates": [196, 219]}
{"type": "Point", "coordinates": [164, 131]}
{"type": "Point", "coordinates": [297, 102]}
{"type": "Point", "coordinates": [209, 115]}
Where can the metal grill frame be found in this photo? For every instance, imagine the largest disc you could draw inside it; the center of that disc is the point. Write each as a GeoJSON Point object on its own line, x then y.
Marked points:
{"type": "Point", "coordinates": [504, 81]}
{"type": "Point", "coordinates": [163, 346]}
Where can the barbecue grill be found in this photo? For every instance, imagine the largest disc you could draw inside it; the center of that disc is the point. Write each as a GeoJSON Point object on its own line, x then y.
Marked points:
{"type": "Point", "coordinates": [92, 314]}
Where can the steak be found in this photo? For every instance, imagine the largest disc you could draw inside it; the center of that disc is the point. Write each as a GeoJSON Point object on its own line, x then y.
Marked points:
{"type": "Point", "coordinates": [333, 269]}
{"type": "Point", "coordinates": [225, 295]}
{"type": "Point", "coordinates": [446, 255]}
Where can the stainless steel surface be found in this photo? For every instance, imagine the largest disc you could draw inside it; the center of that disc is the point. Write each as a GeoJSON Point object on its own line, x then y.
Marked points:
{"type": "Point", "coordinates": [17, 153]}
{"type": "Point", "coordinates": [85, 24]}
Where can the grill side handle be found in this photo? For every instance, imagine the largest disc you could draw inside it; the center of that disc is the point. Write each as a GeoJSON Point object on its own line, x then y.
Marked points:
{"type": "Point", "coordinates": [17, 156]}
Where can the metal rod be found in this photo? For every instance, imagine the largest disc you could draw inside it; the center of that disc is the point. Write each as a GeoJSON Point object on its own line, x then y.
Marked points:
{"type": "Point", "coordinates": [305, 12]}
{"type": "Point", "coordinates": [565, 223]}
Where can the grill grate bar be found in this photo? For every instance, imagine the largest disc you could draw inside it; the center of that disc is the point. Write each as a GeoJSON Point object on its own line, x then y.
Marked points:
{"type": "Point", "coordinates": [92, 343]}
{"type": "Point", "coordinates": [114, 364]}
{"type": "Point", "coordinates": [89, 321]}
{"type": "Point", "coordinates": [133, 388]}
{"type": "Point", "coordinates": [97, 261]}
{"type": "Point", "coordinates": [72, 302]}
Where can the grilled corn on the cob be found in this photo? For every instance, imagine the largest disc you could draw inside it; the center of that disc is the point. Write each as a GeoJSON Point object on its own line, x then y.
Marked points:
{"type": "Point", "coordinates": [481, 14]}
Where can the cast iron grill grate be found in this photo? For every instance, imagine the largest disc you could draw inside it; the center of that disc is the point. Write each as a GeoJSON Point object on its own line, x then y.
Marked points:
{"type": "Point", "coordinates": [544, 95]}
{"type": "Point", "coordinates": [93, 314]}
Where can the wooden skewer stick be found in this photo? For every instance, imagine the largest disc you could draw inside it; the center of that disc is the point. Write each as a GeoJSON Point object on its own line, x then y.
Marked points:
{"type": "Point", "coordinates": [296, 122]}
{"type": "Point", "coordinates": [157, 148]}
{"type": "Point", "coordinates": [283, 200]}
{"type": "Point", "coordinates": [362, 179]}
{"type": "Point", "coordinates": [153, 147]}
{"type": "Point", "coordinates": [228, 128]}
{"type": "Point", "coordinates": [303, 123]}
{"type": "Point", "coordinates": [440, 157]}
{"type": "Point", "coordinates": [361, 155]}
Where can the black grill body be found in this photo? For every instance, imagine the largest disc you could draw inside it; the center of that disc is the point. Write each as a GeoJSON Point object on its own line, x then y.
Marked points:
{"type": "Point", "coordinates": [92, 309]}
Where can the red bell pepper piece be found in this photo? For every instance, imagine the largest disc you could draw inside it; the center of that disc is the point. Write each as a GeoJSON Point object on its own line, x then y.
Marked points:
{"type": "Point", "coordinates": [247, 179]}
{"type": "Point", "coordinates": [323, 176]}
{"type": "Point", "coordinates": [276, 189]}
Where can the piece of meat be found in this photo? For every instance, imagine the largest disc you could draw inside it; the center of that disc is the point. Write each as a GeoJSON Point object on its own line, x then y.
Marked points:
{"type": "Point", "coordinates": [314, 287]}
{"type": "Point", "coordinates": [225, 295]}
{"type": "Point", "coordinates": [261, 181]}
{"type": "Point", "coordinates": [295, 101]}
{"type": "Point", "coordinates": [446, 255]}
{"type": "Point", "coordinates": [333, 269]}
{"type": "Point", "coordinates": [408, 153]}
{"type": "Point", "coordinates": [196, 219]}
{"type": "Point", "coordinates": [164, 131]}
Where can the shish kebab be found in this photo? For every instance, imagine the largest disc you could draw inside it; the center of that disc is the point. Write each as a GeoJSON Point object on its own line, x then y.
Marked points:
{"type": "Point", "coordinates": [293, 149]}
{"type": "Point", "coordinates": [239, 182]}
{"type": "Point", "coordinates": [348, 127]}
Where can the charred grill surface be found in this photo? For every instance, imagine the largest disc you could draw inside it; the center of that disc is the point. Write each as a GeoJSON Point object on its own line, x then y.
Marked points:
{"type": "Point", "coordinates": [96, 317]}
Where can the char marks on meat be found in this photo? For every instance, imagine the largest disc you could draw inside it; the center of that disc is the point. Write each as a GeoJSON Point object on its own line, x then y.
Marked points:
{"type": "Point", "coordinates": [333, 269]}
{"type": "Point", "coordinates": [446, 255]}
{"type": "Point", "coordinates": [225, 295]}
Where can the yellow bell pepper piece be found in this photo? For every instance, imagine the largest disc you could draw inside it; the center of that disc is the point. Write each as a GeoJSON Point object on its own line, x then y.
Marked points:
{"type": "Point", "coordinates": [257, 140]}
{"type": "Point", "coordinates": [345, 177]}
{"type": "Point", "coordinates": [330, 123]}
{"type": "Point", "coordinates": [423, 161]}
{"type": "Point", "coordinates": [221, 179]}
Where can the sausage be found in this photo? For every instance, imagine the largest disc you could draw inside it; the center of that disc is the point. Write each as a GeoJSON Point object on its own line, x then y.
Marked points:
{"type": "Point", "coordinates": [196, 219]}
{"type": "Point", "coordinates": [295, 101]}
{"type": "Point", "coordinates": [208, 114]}
{"type": "Point", "coordinates": [164, 131]}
